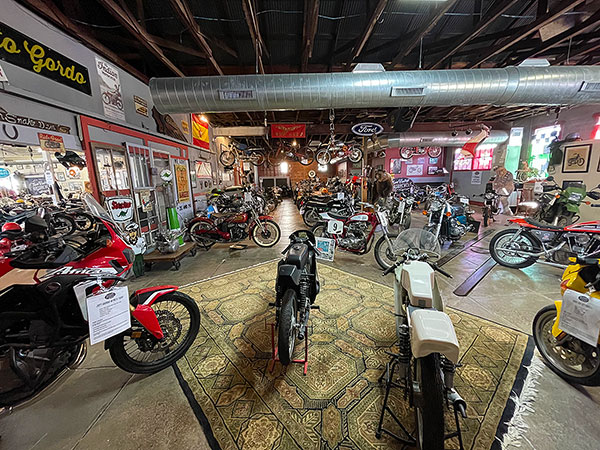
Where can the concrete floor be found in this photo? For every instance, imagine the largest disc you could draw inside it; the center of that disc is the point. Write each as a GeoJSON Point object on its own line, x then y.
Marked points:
{"type": "Point", "coordinates": [102, 407]}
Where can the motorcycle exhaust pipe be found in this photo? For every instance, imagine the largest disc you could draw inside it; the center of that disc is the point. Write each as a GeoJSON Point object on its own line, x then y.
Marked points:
{"type": "Point", "coordinates": [457, 402]}
{"type": "Point", "coordinates": [521, 252]}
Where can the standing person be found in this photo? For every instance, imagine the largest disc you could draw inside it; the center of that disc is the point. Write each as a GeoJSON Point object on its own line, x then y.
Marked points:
{"type": "Point", "coordinates": [504, 185]}
{"type": "Point", "coordinates": [383, 185]}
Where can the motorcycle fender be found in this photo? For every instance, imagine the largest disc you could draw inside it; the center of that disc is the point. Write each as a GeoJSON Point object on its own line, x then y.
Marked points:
{"type": "Point", "coordinates": [145, 315]}
{"type": "Point", "coordinates": [555, 330]}
{"type": "Point", "coordinates": [199, 219]}
{"type": "Point", "coordinates": [287, 275]}
{"type": "Point", "coordinates": [572, 207]}
{"type": "Point", "coordinates": [261, 218]}
{"type": "Point", "coordinates": [432, 332]}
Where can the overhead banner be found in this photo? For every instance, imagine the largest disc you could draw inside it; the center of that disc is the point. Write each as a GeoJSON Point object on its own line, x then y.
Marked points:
{"type": "Point", "coordinates": [110, 90]}
{"type": "Point", "coordinates": [183, 191]}
{"type": "Point", "coordinates": [288, 130]}
{"type": "Point", "coordinates": [199, 132]}
{"type": "Point", "coordinates": [29, 54]}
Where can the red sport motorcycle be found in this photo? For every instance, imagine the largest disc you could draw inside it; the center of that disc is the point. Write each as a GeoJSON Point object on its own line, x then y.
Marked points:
{"type": "Point", "coordinates": [235, 226]}
{"type": "Point", "coordinates": [521, 247]}
{"type": "Point", "coordinates": [45, 296]}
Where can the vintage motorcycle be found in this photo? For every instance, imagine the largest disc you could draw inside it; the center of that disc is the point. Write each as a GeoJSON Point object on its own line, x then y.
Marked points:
{"type": "Point", "coordinates": [428, 349]}
{"type": "Point", "coordinates": [574, 358]}
{"type": "Point", "coordinates": [313, 208]}
{"type": "Point", "coordinates": [409, 152]}
{"type": "Point", "coordinates": [449, 222]}
{"type": "Point", "coordinates": [326, 152]}
{"type": "Point", "coordinates": [521, 247]}
{"type": "Point", "coordinates": [234, 227]}
{"type": "Point", "coordinates": [490, 207]}
{"type": "Point", "coordinates": [296, 288]}
{"type": "Point", "coordinates": [562, 209]}
{"type": "Point", "coordinates": [44, 308]}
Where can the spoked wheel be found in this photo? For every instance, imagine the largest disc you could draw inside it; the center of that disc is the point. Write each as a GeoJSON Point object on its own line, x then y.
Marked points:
{"type": "Point", "coordinates": [257, 158]}
{"type": "Point", "coordinates": [200, 238]}
{"type": "Point", "coordinates": [320, 231]}
{"type": "Point", "coordinates": [355, 155]}
{"type": "Point", "coordinates": [430, 410]}
{"type": "Point", "coordinates": [504, 248]}
{"type": "Point", "coordinates": [287, 327]}
{"type": "Point", "coordinates": [406, 152]}
{"type": "Point", "coordinates": [63, 224]}
{"type": "Point", "coordinates": [384, 252]}
{"type": "Point", "coordinates": [306, 156]}
{"type": "Point", "coordinates": [311, 217]}
{"type": "Point", "coordinates": [266, 236]}
{"type": "Point", "coordinates": [323, 157]}
{"type": "Point", "coordinates": [574, 360]}
{"type": "Point", "coordinates": [227, 158]}
{"type": "Point", "coordinates": [179, 319]}
{"type": "Point", "coordinates": [434, 152]}
{"type": "Point", "coordinates": [83, 221]}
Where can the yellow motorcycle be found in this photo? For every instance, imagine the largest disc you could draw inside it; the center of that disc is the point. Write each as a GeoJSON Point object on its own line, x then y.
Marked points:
{"type": "Point", "coordinates": [576, 359]}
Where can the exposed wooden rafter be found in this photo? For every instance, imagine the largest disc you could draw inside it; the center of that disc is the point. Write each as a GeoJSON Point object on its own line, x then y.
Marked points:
{"type": "Point", "coordinates": [311, 20]}
{"type": "Point", "coordinates": [366, 34]}
{"type": "Point", "coordinates": [50, 11]}
{"type": "Point", "coordinates": [534, 27]}
{"type": "Point", "coordinates": [437, 13]}
{"type": "Point", "coordinates": [183, 12]}
{"type": "Point", "coordinates": [495, 11]}
{"type": "Point", "coordinates": [259, 44]}
{"type": "Point", "coordinates": [129, 22]}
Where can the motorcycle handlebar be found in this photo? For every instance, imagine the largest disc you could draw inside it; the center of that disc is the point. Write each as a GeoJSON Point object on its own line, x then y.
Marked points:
{"type": "Point", "coordinates": [440, 270]}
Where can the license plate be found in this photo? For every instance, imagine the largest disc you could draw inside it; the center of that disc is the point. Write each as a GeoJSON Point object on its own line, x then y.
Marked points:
{"type": "Point", "coordinates": [335, 227]}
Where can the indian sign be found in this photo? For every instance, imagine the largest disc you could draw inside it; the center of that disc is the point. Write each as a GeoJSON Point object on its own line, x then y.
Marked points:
{"type": "Point", "coordinates": [20, 50]}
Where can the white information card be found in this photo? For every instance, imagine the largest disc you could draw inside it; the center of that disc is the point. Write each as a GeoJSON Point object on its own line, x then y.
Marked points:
{"type": "Point", "coordinates": [580, 316]}
{"type": "Point", "coordinates": [108, 314]}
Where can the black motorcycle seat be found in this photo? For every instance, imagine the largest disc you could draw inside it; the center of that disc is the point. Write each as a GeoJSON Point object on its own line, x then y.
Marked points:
{"type": "Point", "coordinates": [297, 255]}
{"type": "Point", "coordinates": [337, 216]}
{"type": "Point", "coordinates": [544, 226]}
{"type": "Point", "coordinates": [316, 204]}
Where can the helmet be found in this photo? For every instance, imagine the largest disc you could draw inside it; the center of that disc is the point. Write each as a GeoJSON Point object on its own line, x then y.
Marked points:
{"type": "Point", "coordinates": [11, 226]}
{"type": "Point", "coordinates": [20, 200]}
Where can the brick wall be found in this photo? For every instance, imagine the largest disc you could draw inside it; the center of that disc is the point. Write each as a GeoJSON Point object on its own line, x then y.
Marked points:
{"type": "Point", "coordinates": [296, 171]}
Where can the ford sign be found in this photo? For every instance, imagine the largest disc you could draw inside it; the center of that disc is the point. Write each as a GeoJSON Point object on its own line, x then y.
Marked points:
{"type": "Point", "coordinates": [367, 129]}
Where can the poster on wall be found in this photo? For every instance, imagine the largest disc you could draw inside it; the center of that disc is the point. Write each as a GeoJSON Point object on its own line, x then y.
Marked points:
{"type": "Point", "coordinates": [145, 201]}
{"type": "Point", "coordinates": [432, 170]}
{"type": "Point", "coordinates": [414, 170]}
{"type": "Point", "coordinates": [110, 90]}
{"type": "Point", "coordinates": [577, 159]}
{"type": "Point", "coordinates": [199, 132]}
{"type": "Point", "coordinates": [203, 169]}
{"type": "Point", "coordinates": [476, 177]}
{"type": "Point", "coordinates": [183, 192]}
{"type": "Point", "coordinates": [37, 185]}
{"type": "Point", "coordinates": [396, 166]}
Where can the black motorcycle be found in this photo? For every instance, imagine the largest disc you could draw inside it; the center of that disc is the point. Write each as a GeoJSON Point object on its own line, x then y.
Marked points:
{"type": "Point", "coordinates": [312, 209]}
{"type": "Point", "coordinates": [296, 288]}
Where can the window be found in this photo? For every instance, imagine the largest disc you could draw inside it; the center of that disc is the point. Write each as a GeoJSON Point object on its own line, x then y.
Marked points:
{"type": "Point", "coordinates": [481, 161]}
{"type": "Point", "coordinates": [540, 153]}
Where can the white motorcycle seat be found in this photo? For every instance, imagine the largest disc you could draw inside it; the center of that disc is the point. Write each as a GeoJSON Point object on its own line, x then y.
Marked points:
{"type": "Point", "coordinates": [432, 332]}
{"type": "Point", "coordinates": [418, 278]}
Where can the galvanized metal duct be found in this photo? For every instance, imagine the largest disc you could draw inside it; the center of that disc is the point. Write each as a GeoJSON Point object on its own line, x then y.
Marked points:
{"type": "Point", "coordinates": [441, 139]}
{"type": "Point", "coordinates": [560, 85]}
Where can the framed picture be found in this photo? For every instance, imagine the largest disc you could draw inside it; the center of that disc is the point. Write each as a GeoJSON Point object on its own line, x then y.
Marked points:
{"type": "Point", "coordinates": [396, 166]}
{"type": "Point", "coordinates": [414, 170]}
{"type": "Point", "coordinates": [432, 170]}
{"type": "Point", "coordinates": [60, 176]}
{"type": "Point", "coordinates": [577, 158]}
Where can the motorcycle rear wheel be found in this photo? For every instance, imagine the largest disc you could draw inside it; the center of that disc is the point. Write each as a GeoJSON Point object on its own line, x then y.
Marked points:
{"type": "Point", "coordinates": [557, 357]}
{"type": "Point", "coordinates": [306, 156]}
{"type": "Point", "coordinates": [323, 157]}
{"type": "Point", "coordinates": [204, 242]}
{"type": "Point", "coordinates": [430, 415]}
{"type": "Point", "coordinates": [124, 348]}
{"type": "Point", "coordinates": [311, 217]}
{"type": "Point", "coordinates": [286, 338]}
{"type": "Point", "coordinates": [500, 239]}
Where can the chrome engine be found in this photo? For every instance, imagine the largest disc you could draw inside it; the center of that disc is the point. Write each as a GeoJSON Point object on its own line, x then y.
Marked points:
{"type": "Point", "coordinates": [356, 235]}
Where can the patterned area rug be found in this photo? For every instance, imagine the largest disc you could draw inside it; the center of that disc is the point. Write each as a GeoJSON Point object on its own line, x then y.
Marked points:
{"type": "Point", "coordinates": [337, 405]}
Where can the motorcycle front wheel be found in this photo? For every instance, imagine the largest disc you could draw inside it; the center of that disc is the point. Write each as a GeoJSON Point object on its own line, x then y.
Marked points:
{"type": "Point", "coordinates": [384, 254]}
{"type": "Point", "coordinates": [179, 318]}
{"type": "Point", "coordinates": [311, 217]}
{"type": "Point", "coordinates": [323, 157]}
{"type": "Point", "coordinates": [227, 158]}
{"type": "Point", "coordinates": [286, 340]}
{"type": "Point", "coordinates": [508, 258]}
{"type": "Point", "coordinates": [430, 413]}
{"type": "Point", "coordinates": [268, 235]}
{"type": "Point", "coordinates": [571, 365]}
{"type": "Point", "coordinates": [306, 156]}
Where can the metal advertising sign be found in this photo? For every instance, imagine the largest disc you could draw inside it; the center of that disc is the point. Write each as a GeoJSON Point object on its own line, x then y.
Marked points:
{"type": "Point", "coordinates": [120, 208]}
{"type": "Point", "coordinates": [29, 54]}
{"type": "Point", "coordinates": [110, 88]}
{"type": "Point", "coordinates": [367, 129]}
{"type": "Point", "coordinates": [51, 143]}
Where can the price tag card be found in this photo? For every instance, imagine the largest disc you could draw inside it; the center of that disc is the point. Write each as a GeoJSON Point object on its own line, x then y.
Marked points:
{"type": "Point", "coordinates": [340, 196]}
{"type": "Point", "coordinates": [247, 196]}
{"type": "Point", "coordinates": [108, 314]}
{"type": "Point", "coordinates": [580, 316]}
{"type": "Point", "coordinates": [335, 227]}
{"type": "Point", "coordinates": [326, 248]}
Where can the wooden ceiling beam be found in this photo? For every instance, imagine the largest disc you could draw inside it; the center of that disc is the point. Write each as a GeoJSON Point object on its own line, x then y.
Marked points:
{"type": "Point", "coordinates": [183, 12]}
{"type": "Point", "coordinates": [311, 21]}
{"type": "Point", "coordinates": [438, 12]}
{"type": "Point", "coordinates": [562, 7]}
{"type": "Point", "coordinates": [496, 10]}
{"type": "Point", "coordinates": [366, 34]}
{"type": "Point", "coordinates": [48, 10]}
{"type": "Point", "coordinates": [128, 21]}
{"type": "Point", "coordinates": [259, 44]}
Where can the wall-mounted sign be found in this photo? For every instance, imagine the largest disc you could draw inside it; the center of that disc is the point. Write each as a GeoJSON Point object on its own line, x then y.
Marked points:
{"type": "Point", "coordinates": [166, 175]}
{"type": "Point", "coordinates": [37, 185]}
{"type": "Point", "coordinates": [183, 191]}
{"type": "Point", "coordinates": [288, 130]}
{"type": "Point", "coordinates": [29, 54]}
{"type": "Point", "coordinates": [476, 177]}
{"type": "Point", "coordinates": [3, 76]}
{"type": "Point", "coordinates": [74, 172]}
{"type": "Point", "coordinates": [4, 172]}
{"type": "Point", "coordinates": [199, 132]}
{"type": "Point", "coordinates": [51, 143]}
{"type": "Point", "coordinates": [367, 129]}
{"type": "Point", "coordinates": [29, 122]}
{"type": "Point", "coordinates": [120, 208]}
{"type": "Point", "coordinates": [203, 169]}
{"type": "Point", "coordinates": [141, 105]}
{"type": "Point", "coordinates": [110, 90]}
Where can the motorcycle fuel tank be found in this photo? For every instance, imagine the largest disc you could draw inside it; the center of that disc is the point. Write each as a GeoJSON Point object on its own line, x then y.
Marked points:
{"type": "Point", "coordinates": [418, 278]}
{"type": "Point", "coordinates": [239, 218]}
{"type": "Point", "coordinates": [360, 217]}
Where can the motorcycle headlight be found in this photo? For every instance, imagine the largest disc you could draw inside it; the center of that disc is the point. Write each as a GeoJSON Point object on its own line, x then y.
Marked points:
{"type": "Point", "coordinates": [575, 197]}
